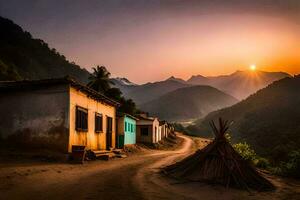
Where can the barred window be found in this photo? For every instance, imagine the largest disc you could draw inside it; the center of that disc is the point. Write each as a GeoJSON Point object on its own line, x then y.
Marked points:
{"type": "Point", "coordinates": [81, 119]}
{"type": "Point", "coordinates": [98, 123]}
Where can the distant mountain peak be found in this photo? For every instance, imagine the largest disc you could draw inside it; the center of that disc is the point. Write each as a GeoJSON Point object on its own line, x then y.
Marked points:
{"type": "Point", "coordinates": [124, 81]}
{"type": "Point", "coordinates": [198, 75]}
{"type": "Point", "coordinates": [173, 78]}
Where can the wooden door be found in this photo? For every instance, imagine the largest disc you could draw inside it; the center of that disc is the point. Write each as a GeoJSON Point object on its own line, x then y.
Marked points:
{"type": "Point", "coordinates": [109, 133]}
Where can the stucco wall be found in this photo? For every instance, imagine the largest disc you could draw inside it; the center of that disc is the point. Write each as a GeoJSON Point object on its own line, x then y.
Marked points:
{"type": "Point", "coordinates": [35, 118]}
{"type": "Point", "coordinates": [153, 130]}
{"type": "Point", "coordinates": [91, 139]}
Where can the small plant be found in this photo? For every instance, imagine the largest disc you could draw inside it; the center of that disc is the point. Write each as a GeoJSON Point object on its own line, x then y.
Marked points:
{"type": "Point", "coordinates": [245, 151]}
{"type": "Point", "coordinates": [249, 154]}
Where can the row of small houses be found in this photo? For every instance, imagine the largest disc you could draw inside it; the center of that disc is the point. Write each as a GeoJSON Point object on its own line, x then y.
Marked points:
{"type": "Point", "coordinates": [57, 114]}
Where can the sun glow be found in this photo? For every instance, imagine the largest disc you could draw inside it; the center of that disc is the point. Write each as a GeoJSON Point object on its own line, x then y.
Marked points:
{"type": "Point", "coordinates": [252, 67]}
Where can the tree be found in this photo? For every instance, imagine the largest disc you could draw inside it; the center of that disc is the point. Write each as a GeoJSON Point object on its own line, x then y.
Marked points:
{"type": "Point", "coordinates": [100, 79]}
{"type": "Point", "coordinates": [114, 93]}
{"type": "Point", "coordinates": [101, 82]}
{"type": "Point", "coordinates": [128, 106]}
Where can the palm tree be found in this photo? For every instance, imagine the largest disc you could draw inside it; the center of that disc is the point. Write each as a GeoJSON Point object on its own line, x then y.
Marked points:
{"type": "Point", "coordinates": [100, 79]}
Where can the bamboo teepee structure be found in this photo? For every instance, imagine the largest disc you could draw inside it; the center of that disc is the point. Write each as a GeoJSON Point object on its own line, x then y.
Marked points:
{"type": "Point", "coordinates": [219, 163]}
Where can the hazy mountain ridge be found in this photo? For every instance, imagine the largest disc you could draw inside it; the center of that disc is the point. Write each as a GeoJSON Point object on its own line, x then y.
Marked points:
{"type": "Point", "coordinates": [188, 103]}
{"type": "Point", "coordinates": [268, 120]}
{"type": "Point", "coordinates": [239, 84]}
{"type": "Point", "coordinates": [23, 57]}
{"type": "Point", "coordinates": [150, 91]}
{"type": "Point", "coordinates": [123, 81]}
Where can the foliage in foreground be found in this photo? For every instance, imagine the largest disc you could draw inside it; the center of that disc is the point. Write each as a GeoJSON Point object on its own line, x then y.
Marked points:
{"type": "Point", "coordinates": [290, 167]}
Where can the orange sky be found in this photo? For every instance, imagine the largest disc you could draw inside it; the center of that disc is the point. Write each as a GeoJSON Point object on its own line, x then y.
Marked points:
{"type": "Point", "coordinates": [153, 40]}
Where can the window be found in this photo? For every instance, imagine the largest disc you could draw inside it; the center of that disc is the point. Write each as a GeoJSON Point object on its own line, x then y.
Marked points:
{"type": "Point", "coordinates": [131, 128]}
{"type": "Point", "coordinates": [125, 126]}
{"type": "Point", "coordinates": [98, 123]}
{"type": "Point", "coordinates": [81, 119]}
{"type": "Point", "coordinates": [144, 131]}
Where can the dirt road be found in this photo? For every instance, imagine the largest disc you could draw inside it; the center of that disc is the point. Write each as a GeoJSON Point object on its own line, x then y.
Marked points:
{"type": "Point", "coordinates": [135, 177]}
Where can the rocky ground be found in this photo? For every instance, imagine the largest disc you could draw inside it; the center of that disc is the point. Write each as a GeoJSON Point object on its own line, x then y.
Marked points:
{"type": "Point", "coordinates": [134, 177]}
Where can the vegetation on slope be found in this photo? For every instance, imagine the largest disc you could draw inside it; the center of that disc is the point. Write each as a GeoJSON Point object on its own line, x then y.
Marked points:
{"type": "Point", "coordinates": [23, 57]}
{"type": "Point", "coordinates": [268, 120]}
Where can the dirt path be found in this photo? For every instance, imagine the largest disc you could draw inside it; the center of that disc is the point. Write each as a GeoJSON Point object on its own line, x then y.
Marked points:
{"type": "Point", "coordinates": [135, 177]}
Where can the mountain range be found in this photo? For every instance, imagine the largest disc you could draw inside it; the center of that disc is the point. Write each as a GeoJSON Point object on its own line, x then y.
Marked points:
{"type": "Point", "coordinates": [268, 120]}
{"type": "Point", "coordinates": [239, 84]}
{"type": "Point", "coordinates": [153, 97]}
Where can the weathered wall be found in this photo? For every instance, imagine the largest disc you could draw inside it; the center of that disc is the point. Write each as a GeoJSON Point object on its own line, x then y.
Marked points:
{"type": "Point", "coordinates": [143, 138]}
{"type": "Point", "coordinates": [91, 139]}
{"type": "Point", "coordinates": [120, 125]}
{"type": "Point", "coordinates": [35, 118]}
{"type": "Point", "coordinates": [153, 129]}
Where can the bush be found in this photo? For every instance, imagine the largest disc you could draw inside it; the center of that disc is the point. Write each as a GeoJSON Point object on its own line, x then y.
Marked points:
{"type": "Point", "coordinates": [292, 166]}
{"type": "Point", "coordinates": [261, 163]}
{"type": "Point", "coordinates": [245, 151]}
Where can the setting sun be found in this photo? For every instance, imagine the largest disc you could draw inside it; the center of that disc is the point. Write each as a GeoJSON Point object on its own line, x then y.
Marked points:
{"type": "Point", "coordinates": [252, 67]}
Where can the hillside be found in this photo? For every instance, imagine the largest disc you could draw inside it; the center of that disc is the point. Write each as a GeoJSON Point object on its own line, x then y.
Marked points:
{"type": "Point", "coordinates": [240, 84]}
{"type": "Point", "coordinates": [188, 103]}
{"type": "Point", "coordinates": [150, 91]}
{"type": "Point", "coordinates": [23, 57]}
{"type": "Point", "coordinates": [268, 120]}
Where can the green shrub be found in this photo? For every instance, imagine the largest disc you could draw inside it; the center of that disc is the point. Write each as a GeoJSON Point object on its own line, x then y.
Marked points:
{"type": "Point", "coordinates": [261, 163]}
{"type": "Point", "coordinates": [292, 166]}
{"type": "Point", "coordinates": [245, 151]}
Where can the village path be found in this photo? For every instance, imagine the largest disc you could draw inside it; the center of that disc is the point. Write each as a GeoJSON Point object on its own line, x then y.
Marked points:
{"type": "Point", "coordinates": [128, 178]}
{"type": "Point", "coordinates": [135, 177]}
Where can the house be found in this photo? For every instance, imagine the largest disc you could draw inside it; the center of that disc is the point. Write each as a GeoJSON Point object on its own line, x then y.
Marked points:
{"type": "Point", "coordinates": [169, 129]}
{"type": "Point", "coordinates": [147, 129]}
{"type": "Point", "coordinates": [126, 129]}
{"type": "Point", "coordinates": [56, 114]}
{"type": "Point", "coordinates": [163, 127]}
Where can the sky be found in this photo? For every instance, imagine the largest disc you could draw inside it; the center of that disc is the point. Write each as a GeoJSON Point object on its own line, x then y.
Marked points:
{"type": "Point", "coordinates": [151, 40]}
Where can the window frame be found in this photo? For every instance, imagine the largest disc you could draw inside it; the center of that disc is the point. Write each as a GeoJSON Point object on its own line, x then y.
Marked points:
{"type": "Point", "coordinates": [98, 115]}
{"type": "Point", "coordinates": [81, 119]}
